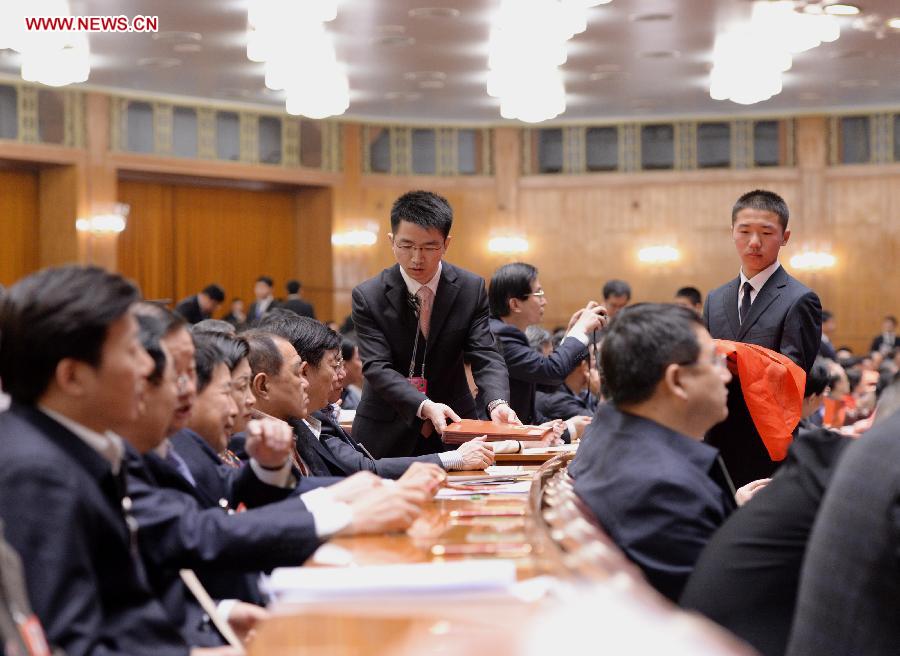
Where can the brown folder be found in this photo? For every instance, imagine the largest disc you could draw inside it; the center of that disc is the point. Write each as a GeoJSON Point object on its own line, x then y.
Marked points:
{"type": "Point", "coordinates": [466, 429]}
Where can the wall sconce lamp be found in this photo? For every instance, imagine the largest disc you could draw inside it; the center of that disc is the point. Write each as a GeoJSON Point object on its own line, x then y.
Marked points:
{"type": "Point", "coordinates": [813, 261]}
{"type": "Point", "coordinates": [354, 238]}
{"type": "Point", "coordinates": [508, 245]}
{"type": "Point", "coordinates": [659, 254]}
{"type": "Point", "coordinates": [111, 223]}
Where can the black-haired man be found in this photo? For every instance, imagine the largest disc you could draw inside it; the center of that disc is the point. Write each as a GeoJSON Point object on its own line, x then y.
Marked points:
{"type": "Point", "coordinates": [642, 469]}
{"type": "Point", "coordinates": [765, 306]}
{"type": "Point", "coordinates": [416, 321]}
{"type": "Point", "coordinates": [198, 307]}
{"type": "Point", "coordinates": [295, 303]}
{"type": "Point", "coordinates": [71, 361]}
{"type": "Point", "coordinates": [265, 301]}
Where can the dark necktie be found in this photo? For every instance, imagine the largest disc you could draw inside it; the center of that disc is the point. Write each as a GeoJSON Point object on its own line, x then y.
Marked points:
{"type": "Point", "coordinates": [745, 301]}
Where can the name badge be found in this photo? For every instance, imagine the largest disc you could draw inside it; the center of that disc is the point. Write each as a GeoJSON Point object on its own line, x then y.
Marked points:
{"type": "Point", "coordinates": [419, 383]}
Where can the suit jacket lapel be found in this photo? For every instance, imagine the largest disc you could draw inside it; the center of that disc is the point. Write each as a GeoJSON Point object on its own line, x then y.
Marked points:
{"type": "Point", "coordinates": [443, 301]}
{"type": "Point", "coordinates": [730, 307]}
{"type": "Point", "coordinates": [307, 441]}
{"type": "Point", "coordinates": [398, 295]}
{"type": "Point", "coordinates": [766, 296]}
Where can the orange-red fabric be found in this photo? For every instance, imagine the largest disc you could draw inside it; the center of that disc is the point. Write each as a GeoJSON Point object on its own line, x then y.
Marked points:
{"type": "Point", "coordinates": [773, 387]}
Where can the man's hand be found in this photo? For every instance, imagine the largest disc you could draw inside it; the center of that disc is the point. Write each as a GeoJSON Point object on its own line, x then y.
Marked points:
{"type": "Point", "coordinates": [386, 509]}
{"type": "Point", "coordinates": [503, 414]}
{"type": "Point", "coordinates": [591, 318]}
{"type": "Point", "coordinates": [269, 442]}
{"type": "Point", "coordinates": [476, 454]}
{"type": "Point", "coordinates": [744, 494]}
{"type": "Point", "coordinates": [353, 487]}
{"type": "Point", "coordinates": [243, 619]}
{"type": "Point", "coordinates": [423, 476]}
{"type": "Point", "coordinates": [552, 437]}
{"type": "Point", "coordinates": [438, 414]}
{"type": "Point", "coordinates": [579, 423]}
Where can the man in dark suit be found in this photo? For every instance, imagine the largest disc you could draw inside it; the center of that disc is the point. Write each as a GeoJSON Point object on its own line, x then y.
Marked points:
{"type": "Point", "coordinates": [264, 302]}
{"type": "Point", "coordinates": [294, 303]}
{"type": "Point", "coordinates": [642, 468]}
{"type": "Point", "coordinates": [416, 321]}
{"type": "Point", "coordinates": [826, 348]}
{"type": "Point", "coordinates": [850, 582]}
{"type": "Point", "coordinates": [571, 399]}
{"type": "Point", "coordinates": [71, 360]}
{"type": "Point", "coordinates": [320, 349]}
{"type": "Point", "coordinates": [887, 340]}
{"type": "Point", "coordinates": [198, 307]}
{"type": "Point", "coordinates": [763, 306]}
{"type": "Point", "coordinates": [517, 301]}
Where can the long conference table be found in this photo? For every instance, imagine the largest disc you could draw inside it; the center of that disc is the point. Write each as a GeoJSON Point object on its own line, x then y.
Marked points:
{"type": "Point", "coordinates": [575, 587]}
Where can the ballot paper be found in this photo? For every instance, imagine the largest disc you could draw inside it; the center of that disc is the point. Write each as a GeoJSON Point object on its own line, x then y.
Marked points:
{"type": "Point", "coordinates": [346, 416]}
{"type": "Point", "coordinates": [500, 488]}
{"type": "Point", "coordinates": [300, 584]}
{"type": "Point", "coordinates": [562, 448]}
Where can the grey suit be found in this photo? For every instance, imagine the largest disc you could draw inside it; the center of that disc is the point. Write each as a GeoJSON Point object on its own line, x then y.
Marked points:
{"type": "Point", "coordinates": [786, 316]}
{"type": "Point", "coordinates": [850, 583]}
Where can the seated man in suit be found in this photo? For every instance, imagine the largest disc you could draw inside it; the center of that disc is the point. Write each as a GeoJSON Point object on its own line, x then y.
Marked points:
{"type": "Point", "coordinates": [642, 468]}
{"type": "Point", "coordinates": [416, 322]}
{"type": "Point", "coordinates": [185, 517]}
{"type": "Point", "coordinates": [765, 306]}
{"type": "Point", "coordinates": [198, 307]}
{"type": "Point", "coordinates": [574, 398]}
{"type": "Point", "coordinates": [887, 340]}
{"type": "Point", "coordinates": [517, 301]}
{"type": "Point", "coordinates": [294, 303]}
{"type": "Point", "coordinates": [319, 347]}
{"type": "Point", "coordinates": [71, 360]}
{"type": "Point", "coordinates": [353, 379]}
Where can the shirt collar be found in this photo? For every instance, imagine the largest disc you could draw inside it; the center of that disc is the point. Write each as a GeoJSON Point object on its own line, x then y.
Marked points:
{"type": "Point", "coordinates": [314, 425]}
{"type": "Point", "coordinates": [413, 286]}
{"type": "Point", "coordinates": [760, 279]}
{"type": "Point", "coordinates": [108, 444]}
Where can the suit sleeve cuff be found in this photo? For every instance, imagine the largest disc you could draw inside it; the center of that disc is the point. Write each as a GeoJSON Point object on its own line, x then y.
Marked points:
{"type": "Point", "coordinates": [580, 336]}
{"type": "Point", "coordinates": [331, 518]}
{"type": "Point", "coordinates": [276, 477]}
{"type": "Point", "coordinates": [224, 607]}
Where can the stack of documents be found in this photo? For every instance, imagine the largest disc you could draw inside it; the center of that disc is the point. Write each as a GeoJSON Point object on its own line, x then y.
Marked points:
{"type": "Point", "coordinates": [300, 584]}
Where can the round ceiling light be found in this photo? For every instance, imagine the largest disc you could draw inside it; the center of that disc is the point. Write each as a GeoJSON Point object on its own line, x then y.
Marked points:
{"type": "Point", "coordinates": [841, 9]}
{"type": "Point", "coordinates": [433, 12]}
{"type": "Point", "coordinates": [893, 23]}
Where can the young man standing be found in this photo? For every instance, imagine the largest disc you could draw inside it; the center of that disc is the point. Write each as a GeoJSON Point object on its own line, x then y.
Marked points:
{"type": "Point", "coordinates": [416, 322]}
{"type": "Point", "coordinates": [763, 306]}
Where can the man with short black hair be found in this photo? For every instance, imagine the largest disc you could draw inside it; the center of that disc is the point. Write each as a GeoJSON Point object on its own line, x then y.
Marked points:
{"type": "Point", "coordinates": [642, 468]}
{"type": "Point", "coordinates": [198, 307]}
{"type": "Point", "coordinates": [295, 303]}
{"type": "Point", "coordinates": [71, 360]}
{"type": "Point", "coordinates": [264, 302]}
{"type": "Point", "coordinates": [416, 322]}
{"type": "Point", "coordinates": [887, 340]}
{"type": "Point", "coordinates": [616, 295]}
{"type": "Point", "coordinates": [690, 298]}
{"type": "Point", "coordinates": [829, 325]}
{"type": "Point", "coordinates": [765, 306]}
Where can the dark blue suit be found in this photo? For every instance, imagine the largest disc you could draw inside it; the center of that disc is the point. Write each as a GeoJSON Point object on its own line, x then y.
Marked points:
{"type": "Point", "coordinates": [62, 507]}
{"type": "Point", "coordinates": [654, 491]}
{"type": "Point", "coordinates": [786, 317]}
{"type": "Point", "coordinates": [528, 368]}
{"type": "Point", "coordinates": [348, 457]}
{"type": "Point", "coordinates": [563, 403]}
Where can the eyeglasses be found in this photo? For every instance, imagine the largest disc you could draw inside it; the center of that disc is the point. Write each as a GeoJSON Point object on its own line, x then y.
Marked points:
{"type": "Point", "coordinates": [537, 293]}
{"type": "Point", "coordinates": [338, 364]}
{"type": "Point", "coordinates": [182, 383]}
{"type": "Point", "coordinates": [406, 248]}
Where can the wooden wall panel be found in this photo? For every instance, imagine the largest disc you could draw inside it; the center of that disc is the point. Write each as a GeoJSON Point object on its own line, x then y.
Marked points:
{"type": "Point", "coordinates": [18, 224]}
{"type": "Point", "coordinates": [146, 248]}
{"type": "Point", "coordinates": [231, 236]}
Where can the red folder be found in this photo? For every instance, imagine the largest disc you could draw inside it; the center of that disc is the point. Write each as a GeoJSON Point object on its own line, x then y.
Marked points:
{"type": "Point", "coordinates": [466, 429]}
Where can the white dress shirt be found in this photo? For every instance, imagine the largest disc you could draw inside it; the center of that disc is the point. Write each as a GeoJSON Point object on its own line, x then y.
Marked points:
{"type": "Point", "coordinates": [108, 444]}
{"type": "Point", "coordinates": [756, 282]}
